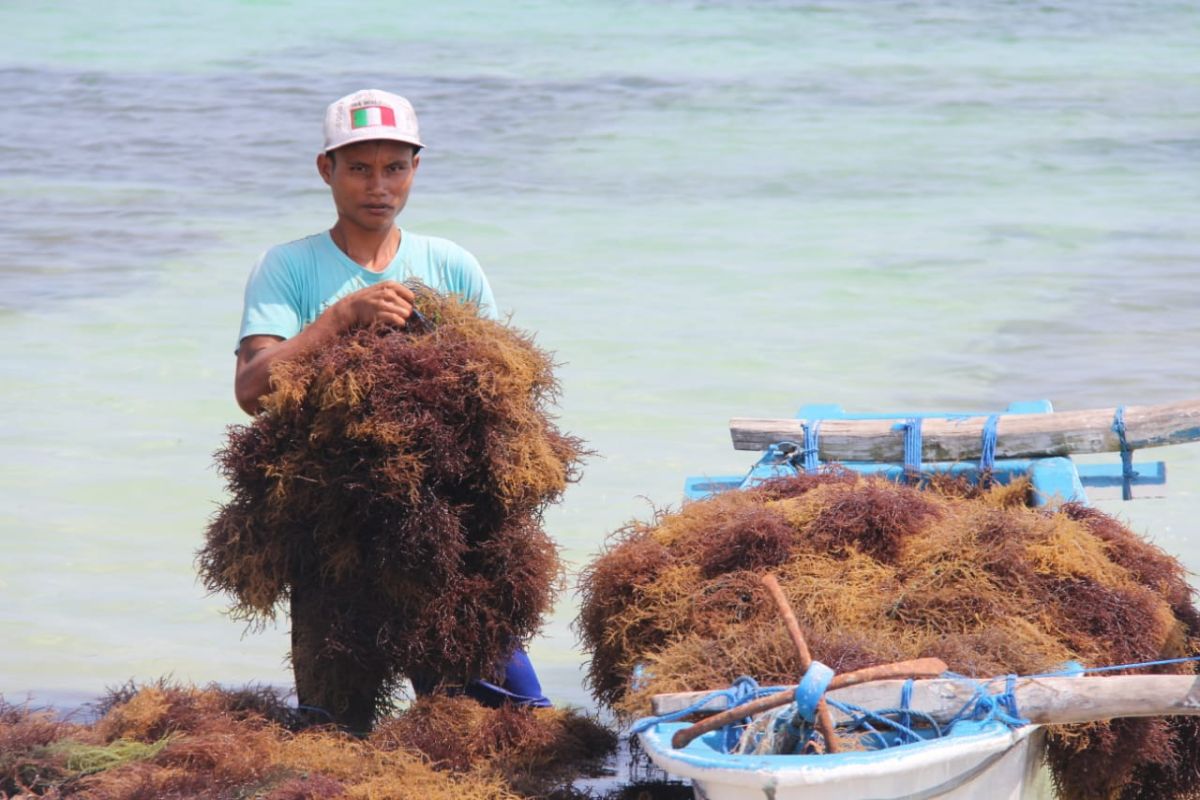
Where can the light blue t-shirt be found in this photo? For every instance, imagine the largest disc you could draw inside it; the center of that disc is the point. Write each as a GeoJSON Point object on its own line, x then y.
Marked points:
{"type": "Point", "coordinates": [292, 284]}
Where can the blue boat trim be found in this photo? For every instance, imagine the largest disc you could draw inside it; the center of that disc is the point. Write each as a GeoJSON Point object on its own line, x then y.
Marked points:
{"type": "Point", "coordinates": [706, 751]}
{"type": "Point", "coordinates": [1149, 473]}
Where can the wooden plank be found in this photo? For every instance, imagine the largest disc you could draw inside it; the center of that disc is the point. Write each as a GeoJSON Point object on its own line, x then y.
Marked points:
{"type": "Point", "coordinates": [1017, 435]}
{"type": "Point", "coordinates": [1044, 701]}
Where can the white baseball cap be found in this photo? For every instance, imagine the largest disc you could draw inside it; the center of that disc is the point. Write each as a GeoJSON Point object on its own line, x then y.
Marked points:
{"type": "Point", "coordinates": [368, 115]}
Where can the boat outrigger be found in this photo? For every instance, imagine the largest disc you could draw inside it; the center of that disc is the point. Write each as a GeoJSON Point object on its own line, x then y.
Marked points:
{"type": "Point", "coordinates": [933, 736]}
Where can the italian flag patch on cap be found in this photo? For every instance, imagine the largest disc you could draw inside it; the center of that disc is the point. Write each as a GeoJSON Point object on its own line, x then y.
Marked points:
{"type": "Point", "coordinates": [369, 116]}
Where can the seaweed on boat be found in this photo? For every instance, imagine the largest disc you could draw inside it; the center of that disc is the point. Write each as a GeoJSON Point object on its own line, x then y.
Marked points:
{"type": "Point", "coordinates": [392, 490]}
{"type": "Point", "coordinates": [881, 572]}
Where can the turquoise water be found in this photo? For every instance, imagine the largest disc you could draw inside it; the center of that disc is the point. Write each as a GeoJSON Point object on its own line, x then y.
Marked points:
{"type": "Point", "coordinates": [706, 209]}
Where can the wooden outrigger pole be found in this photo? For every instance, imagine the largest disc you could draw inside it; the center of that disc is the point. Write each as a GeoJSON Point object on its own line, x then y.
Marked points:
{"type": "Point", "coordinates": [1047, 700]}
{"type": "Point", "coordinates": [1058, 433]}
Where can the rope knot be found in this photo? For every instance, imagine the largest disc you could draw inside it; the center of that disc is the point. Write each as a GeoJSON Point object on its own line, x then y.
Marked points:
{"type": "Point", "coordinates": [912, 448]}
{"type": "Point", "coordinates": [987, 454]}
{"type": "Point", "coordinates": [1127, 471]}
{"type": "Point", "coordinates": [812, 445]}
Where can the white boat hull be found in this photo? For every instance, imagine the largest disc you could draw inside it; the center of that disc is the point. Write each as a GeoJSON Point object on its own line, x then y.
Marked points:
{"type": "Point", "coordinates": [987, 760]}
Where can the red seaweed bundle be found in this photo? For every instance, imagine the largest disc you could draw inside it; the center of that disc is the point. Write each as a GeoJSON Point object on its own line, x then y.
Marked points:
{"type": "Point", "coordinates": [392, 490]}
{"type": "Point", "coordinates": [881, 572]}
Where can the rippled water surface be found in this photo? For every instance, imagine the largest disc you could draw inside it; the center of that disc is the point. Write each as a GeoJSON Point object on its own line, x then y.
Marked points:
{"type": "Point", "coordinates": [707, 209]}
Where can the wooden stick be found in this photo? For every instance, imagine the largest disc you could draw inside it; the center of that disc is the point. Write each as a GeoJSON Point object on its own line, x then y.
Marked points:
{"type": "Point", "coordinates": [1045, 701]}
{"type": "Point", "coordinates": [823, 720]}
{"type": "Point", "coordinates": [666, 703]}
{"type": "Point", "coordinates": [916, 668]}
{"type": "Point", "coordinates": [1017, 435]}
{"type": "Point", "coordinates": [670, 702]}
{"type": "Point", "coordinates": [789, 619]}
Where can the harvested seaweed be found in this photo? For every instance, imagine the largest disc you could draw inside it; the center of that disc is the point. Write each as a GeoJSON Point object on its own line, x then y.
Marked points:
{"type": "Point", "coordinates": [535, 751]}
{"type": "Point", "coordinates": [174, 741]}
{"type": "Point", "coordinates": [392, 490]}
{"type": "Point", "coordinates": [881, 572]}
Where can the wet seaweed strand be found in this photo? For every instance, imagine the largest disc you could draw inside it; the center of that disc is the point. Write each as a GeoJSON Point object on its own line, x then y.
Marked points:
{"type": "Point", "coordinates": [880, 572]}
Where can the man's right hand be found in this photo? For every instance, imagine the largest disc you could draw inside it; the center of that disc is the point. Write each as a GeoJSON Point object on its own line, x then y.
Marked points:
{"type": "Point", "coordinates": [387, 301]}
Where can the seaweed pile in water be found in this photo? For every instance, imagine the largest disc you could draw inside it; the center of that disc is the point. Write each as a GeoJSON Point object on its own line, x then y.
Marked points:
{"type": "Point", "coordinates": [881, 572]}
{"type": "Point", "coordinates": [392, 490]}
{"type": "Point", "coordinates": [172, 741]}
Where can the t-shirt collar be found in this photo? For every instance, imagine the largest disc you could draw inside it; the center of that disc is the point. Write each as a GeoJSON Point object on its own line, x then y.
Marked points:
{"type": "Point", "coordinates": [370, 276]}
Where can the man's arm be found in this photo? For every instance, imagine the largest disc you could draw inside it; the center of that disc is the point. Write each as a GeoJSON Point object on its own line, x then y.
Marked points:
{"type": "Point", "coordinates": [388, 301]}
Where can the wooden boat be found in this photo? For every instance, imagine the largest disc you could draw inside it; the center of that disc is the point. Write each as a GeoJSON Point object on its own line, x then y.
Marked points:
{"type": "Point", "coordinates": [978, 758]}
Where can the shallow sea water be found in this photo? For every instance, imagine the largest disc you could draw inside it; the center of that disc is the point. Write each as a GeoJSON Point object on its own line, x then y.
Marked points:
{"type": "Point", "coordinates": [706, 209]}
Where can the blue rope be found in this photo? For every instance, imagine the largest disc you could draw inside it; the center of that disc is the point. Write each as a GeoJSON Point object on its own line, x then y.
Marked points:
{"type": "Point", "coordinates": [863, 717]}
{"type": "Point", "coordinates": [1127, 471]}
{"type": "Point", "coordinates": [905, 700]}
{"type": "Point", "coordinates": [1006, 704]}
{"type": "Point", "coordinates": [812, 446]}
{"type": "Point", "coordinates": [744, 690]}
{"type": "Point", "coordinates": [912, 449]}
{"type": "Point", "coordinates": [1076, 670]}
{"type": "Point", "coordinates": [987, 454]}
{"type": "Point", "coordinates": [1003, 706]}
{"type": "Point", "coordinates": [983, 705]}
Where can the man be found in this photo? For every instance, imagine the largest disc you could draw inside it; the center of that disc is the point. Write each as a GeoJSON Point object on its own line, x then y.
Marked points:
{"type": "Point", "coordinates": [304, 294]}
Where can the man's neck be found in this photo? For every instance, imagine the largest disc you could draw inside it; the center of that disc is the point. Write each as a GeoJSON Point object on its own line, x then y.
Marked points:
{"type": "Point", "coordinates": [372, 250]}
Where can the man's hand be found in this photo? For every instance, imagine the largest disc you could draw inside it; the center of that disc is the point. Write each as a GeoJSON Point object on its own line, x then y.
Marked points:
{"type": "Point", "coordinates": [387, 301]}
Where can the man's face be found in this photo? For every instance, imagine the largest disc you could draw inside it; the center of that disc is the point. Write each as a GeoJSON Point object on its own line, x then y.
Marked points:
{"type": "Point", "coordinates": [370, 181]}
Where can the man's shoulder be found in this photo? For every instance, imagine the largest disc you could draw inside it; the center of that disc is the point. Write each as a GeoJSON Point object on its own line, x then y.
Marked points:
{"type": "Point", "coordinates": [438, 249]}
{"type": "Point", "coordinates": [296, 251]}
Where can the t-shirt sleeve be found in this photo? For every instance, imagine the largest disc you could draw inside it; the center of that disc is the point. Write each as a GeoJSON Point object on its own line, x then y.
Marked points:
{"type": "Point", "coordinates": [271, 303]}
{"type": "Point", "coordinates": [469, 281]}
